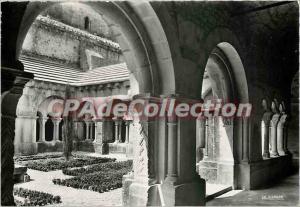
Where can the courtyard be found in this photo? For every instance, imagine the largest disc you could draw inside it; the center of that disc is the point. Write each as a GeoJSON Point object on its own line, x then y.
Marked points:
{"type": "Point", "coordinates": [149, 103]}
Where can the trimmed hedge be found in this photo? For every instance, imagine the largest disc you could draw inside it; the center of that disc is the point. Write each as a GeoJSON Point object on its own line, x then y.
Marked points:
{"type": "Point", "coordinates": [103, 167]}
{"type": "Point", "coordinates": [99, 178]}
{"type": "Point", "coordinates": [36, 157]}
{"type": "Point", "coordinates": [97, 181]}
{"type": "Point", "coordinates": [35, 198]}
{"type": "Point", "coordinates": [60, 163]}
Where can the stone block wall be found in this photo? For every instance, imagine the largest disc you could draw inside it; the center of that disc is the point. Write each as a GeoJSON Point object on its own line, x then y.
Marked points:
{"type": "Point", "coordinates": [55, 41]}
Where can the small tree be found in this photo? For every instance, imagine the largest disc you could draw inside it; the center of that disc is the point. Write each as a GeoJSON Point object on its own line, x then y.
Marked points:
{"type": "Point", "coordinates": [68, 129]}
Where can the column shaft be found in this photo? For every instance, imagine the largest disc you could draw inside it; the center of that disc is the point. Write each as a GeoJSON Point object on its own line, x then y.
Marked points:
{"type": "Point", "coordinates": [87, 131]}
{"type": "Point", "coordinates": [206, 138]}
{"type": "Point", "coordinates": [127, 131]}
{"type": "Point", "coordinates": [202, 132]}
{"type": "Point", "coordinates": [172, 149]}
{"type": "Point", "coordinates": [273, 135]}
{"type": "Point", "coordinates": [95, 130]}
{"type": "Point", "coordinates": [56, 129]}
{"type": "Point", "coordinates": [116, 132]}
{"type": "Point", "coordinates": [42, 122]}
{"type": "Point", "coordinates": [266, 152]}
{"type": "Point", "coordinates": [266, 136]}
{"type": "Point", "coordinates": [120, 132]}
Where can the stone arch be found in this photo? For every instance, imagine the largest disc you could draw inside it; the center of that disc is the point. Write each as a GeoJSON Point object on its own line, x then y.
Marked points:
{"type": "Point", "coordinates": [49, 127]}
{"type": "Point", "coordinates": [229, 44]}
{"type": "Point", "coordinates": [222, 46]}
{"type": "Point", "coordinates": [61, 123]}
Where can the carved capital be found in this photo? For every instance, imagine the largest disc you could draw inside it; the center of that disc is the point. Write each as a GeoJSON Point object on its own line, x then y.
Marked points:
{"type": "Point", "coordinates": [275, 119]}
{"type": "Point", "coordinates": [267, 118]}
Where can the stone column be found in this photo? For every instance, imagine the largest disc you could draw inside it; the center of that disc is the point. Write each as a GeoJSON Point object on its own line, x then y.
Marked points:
{"type": "Point", "coordinates": [95, 130]}
{"type": "Point", "coordinates": [172, 148]}
{"type": "Point", "coordinates": [127, 123]}
{"type": "Point", "coordinates": [87, 130]}
{"type": "Point", "coordinates": [273, 134]}
{"type": "Point", "coordinates": [266, 135]}
{"type": "Point", "coordinates": [206, 131]}
{"type": "Point", "coordinates": [117, 131]}
{"type": "Point", "coordinates": [42, 122]}
{"type": "Point", "coordinates": [202, 131]}
{"type": "Point", "coordinates": [56, 122]}
{"type": "Point", "coordinates": [98, 136]}
{"type": "Point", "coordinates": [13, 80]}
{"type": "Point", "coordinates": [280, 135]}
{"type": "Point", "coordinates": [120, 132]}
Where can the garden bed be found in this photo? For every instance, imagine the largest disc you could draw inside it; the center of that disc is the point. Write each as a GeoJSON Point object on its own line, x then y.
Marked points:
{"type": "Point", "coordinates": [19, 159]}
{"type": "Point", "coordinates": [100, 178]}
{"type": "Point", "coordinates": [34, 198]}
{"type": "Point", "coordinates": [103, 167]}
{"type": "Point", "coordinates": [60, 163]}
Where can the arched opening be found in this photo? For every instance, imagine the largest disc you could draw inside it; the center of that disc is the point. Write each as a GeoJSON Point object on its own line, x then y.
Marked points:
{"type": "Point", "coordinates": [87, 23]}
{"type": "Point", "coordinates": [61, 124]}
{"type": "Point", "coordinates": [49, 129]}
{"type": "Point", "coordinates": [38, 126]}
{"type": "Point", "coordinates": [224, 81]}
{"type": "Point", "coordinates": [150, 72]}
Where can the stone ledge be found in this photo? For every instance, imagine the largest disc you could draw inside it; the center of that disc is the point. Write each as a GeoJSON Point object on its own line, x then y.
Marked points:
{"type": "Point", "coordinates": [262, 173]}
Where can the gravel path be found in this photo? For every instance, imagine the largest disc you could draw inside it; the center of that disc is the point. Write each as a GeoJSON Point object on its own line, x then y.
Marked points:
{"type": "Point", "coordinates": [42, 181]}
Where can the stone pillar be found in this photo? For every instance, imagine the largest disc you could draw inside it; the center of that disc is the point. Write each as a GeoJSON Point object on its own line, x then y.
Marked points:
{"type": "Point", "coordinates": [273, 134]}
{"type": "Point", "coordinates": [206, 131]}
{"type": "Point", "coordinates": [281, 135]}
{"type": "Point", "coordinates": [117, 131]}
{"type": "Point", "coordinates": [87, 130]}
{"type": "Point", "coordinates": [172, 149]}
{"type": "Point", "coordinates": [202, 131]}
{"type": "Point", "coordinates": [266, 135]}
{"type": "Point", "coordinates": [42, 122]}
{"type": "Point", "coordinates": [182, 186]}
{"type": "Point", "coordinates": [95, 130]}
{"type": "Point", "coordinates": [200, 137]}
{"type": "Point", "coordinates": [127, 123]}
{"type": "Point", "coordinates": [56, 122]}
{"type": "Point", "coordinates": [13, 80]}
{"type": "Point", "coordinates": [120, 132]}
{"type": "Point", "coordinates": [100, 144]}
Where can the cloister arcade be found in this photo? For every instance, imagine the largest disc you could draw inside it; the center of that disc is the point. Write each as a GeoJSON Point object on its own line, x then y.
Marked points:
{"type": "Point", "coordinates": [170, 53]}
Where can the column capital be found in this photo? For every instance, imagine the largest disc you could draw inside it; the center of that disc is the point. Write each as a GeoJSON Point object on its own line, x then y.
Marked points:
{"type": "Point", "coordinates": [267, 116]}
{"type": "Point", "coordinates": [282, 120]}
{"type": "Point", "coordinates": [117, 121]}
{"type": "Point", "coordinates": [56, 120]}
{"type": "Point", "coordinates": [275, 119]}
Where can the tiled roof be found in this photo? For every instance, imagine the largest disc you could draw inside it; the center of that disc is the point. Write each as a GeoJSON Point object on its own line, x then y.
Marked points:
{"type": "Point", "coordinates": [59, 73]}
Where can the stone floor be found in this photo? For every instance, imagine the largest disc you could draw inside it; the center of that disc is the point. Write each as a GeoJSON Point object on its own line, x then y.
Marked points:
{"type": "Point", "coordinates": [214, 190]}
{"type": "Point", "coordinates": [284, 193]}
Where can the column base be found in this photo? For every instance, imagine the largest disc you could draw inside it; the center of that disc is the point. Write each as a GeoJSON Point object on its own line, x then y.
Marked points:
{"type": "Point", "coordinates": [281, 152]}
{"type": "Point", "coordinates": [184, 194]}
{"type": "Point", "coordinates": [26, 148]}
{"type": "Point", "coordinates": [52, 146]}
{"type": "Point", "coordinates": [117, 147]}
{"type": "Point", "coordinates": [274, 154]}
{"type": "Point", "coordinates": [266, 155]}
{"type": "Point", "coordinates": [141, 194]}
{"type": "Point", "coordinates": [101, 148]}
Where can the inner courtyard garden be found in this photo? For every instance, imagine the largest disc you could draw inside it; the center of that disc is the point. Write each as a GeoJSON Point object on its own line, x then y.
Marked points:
{"type": "Point", "coordinates": [98, 177]}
